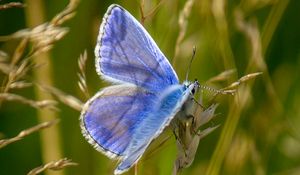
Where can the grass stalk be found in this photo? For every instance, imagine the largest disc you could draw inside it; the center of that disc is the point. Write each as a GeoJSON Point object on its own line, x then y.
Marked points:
{"type": "Point", "coordinates": [26, 132]}
{"type": "Point", "coordinates": [53, 165]}
{"type": "Point", "coordinates": [258, 47]}
{"type": "Point", "coordinates": [50, 141]}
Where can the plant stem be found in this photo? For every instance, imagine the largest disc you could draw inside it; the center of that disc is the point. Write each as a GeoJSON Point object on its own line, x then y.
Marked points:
{"type": "Point", "coordinates": [50, 142]}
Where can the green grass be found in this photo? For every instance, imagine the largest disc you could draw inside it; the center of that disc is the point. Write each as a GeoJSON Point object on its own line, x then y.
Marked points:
{"type": "Point", "coordinates": [259, 132]}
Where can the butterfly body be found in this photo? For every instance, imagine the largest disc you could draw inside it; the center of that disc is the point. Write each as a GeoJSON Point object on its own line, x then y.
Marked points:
{"type": "Point", "coordinates": [121, 120]}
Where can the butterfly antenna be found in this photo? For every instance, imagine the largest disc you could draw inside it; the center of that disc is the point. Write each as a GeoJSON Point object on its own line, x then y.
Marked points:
{"type": "Point", "coordinates": [190, 64]}
{"type": "Point", "coordinates": [224, 92]}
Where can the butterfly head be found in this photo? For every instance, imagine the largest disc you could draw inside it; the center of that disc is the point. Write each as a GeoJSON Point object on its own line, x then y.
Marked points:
{"type": "Point", "coordinates": [192, 87]}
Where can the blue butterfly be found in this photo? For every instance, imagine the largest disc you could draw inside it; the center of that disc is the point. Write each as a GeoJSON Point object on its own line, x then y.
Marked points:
{"type": "Point", "coordinates": [122, 120]}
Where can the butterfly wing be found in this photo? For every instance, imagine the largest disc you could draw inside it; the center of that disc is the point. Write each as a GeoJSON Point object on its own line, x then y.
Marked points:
{"type": "Point", "coordinates": [163, 112]}
{"type": "Point", "coordinates": [125, 52]}
{"type": "Point", "coordinates": [109, 119]}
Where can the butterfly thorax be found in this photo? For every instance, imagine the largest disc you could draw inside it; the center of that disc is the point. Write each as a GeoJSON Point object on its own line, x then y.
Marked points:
{"type": "Point", "coordinates": [188, 107]}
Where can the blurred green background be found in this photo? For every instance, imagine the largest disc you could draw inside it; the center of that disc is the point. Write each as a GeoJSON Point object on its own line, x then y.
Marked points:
{"type": "Point", "coordinates": [260, 127]}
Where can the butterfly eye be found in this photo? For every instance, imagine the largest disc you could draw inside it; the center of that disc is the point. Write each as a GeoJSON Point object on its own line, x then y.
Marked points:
{"type": "Point", "coordinates": [193, 91]}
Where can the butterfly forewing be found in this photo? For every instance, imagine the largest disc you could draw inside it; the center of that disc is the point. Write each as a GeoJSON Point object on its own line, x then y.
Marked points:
{"type": "Point", "coordinates": [126, 53]}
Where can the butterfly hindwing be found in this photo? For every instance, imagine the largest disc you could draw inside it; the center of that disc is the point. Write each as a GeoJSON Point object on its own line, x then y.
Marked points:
{"type": "Point", "coordinates": [110, 118]}
{"type": "Point", "coordinates": [150, 127]}
{"type": "Point", "coordinates": [125, 52]}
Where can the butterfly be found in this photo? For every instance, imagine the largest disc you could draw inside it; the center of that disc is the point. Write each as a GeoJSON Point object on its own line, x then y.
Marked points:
{"type": "Point", "coordinates": [123, 119]}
